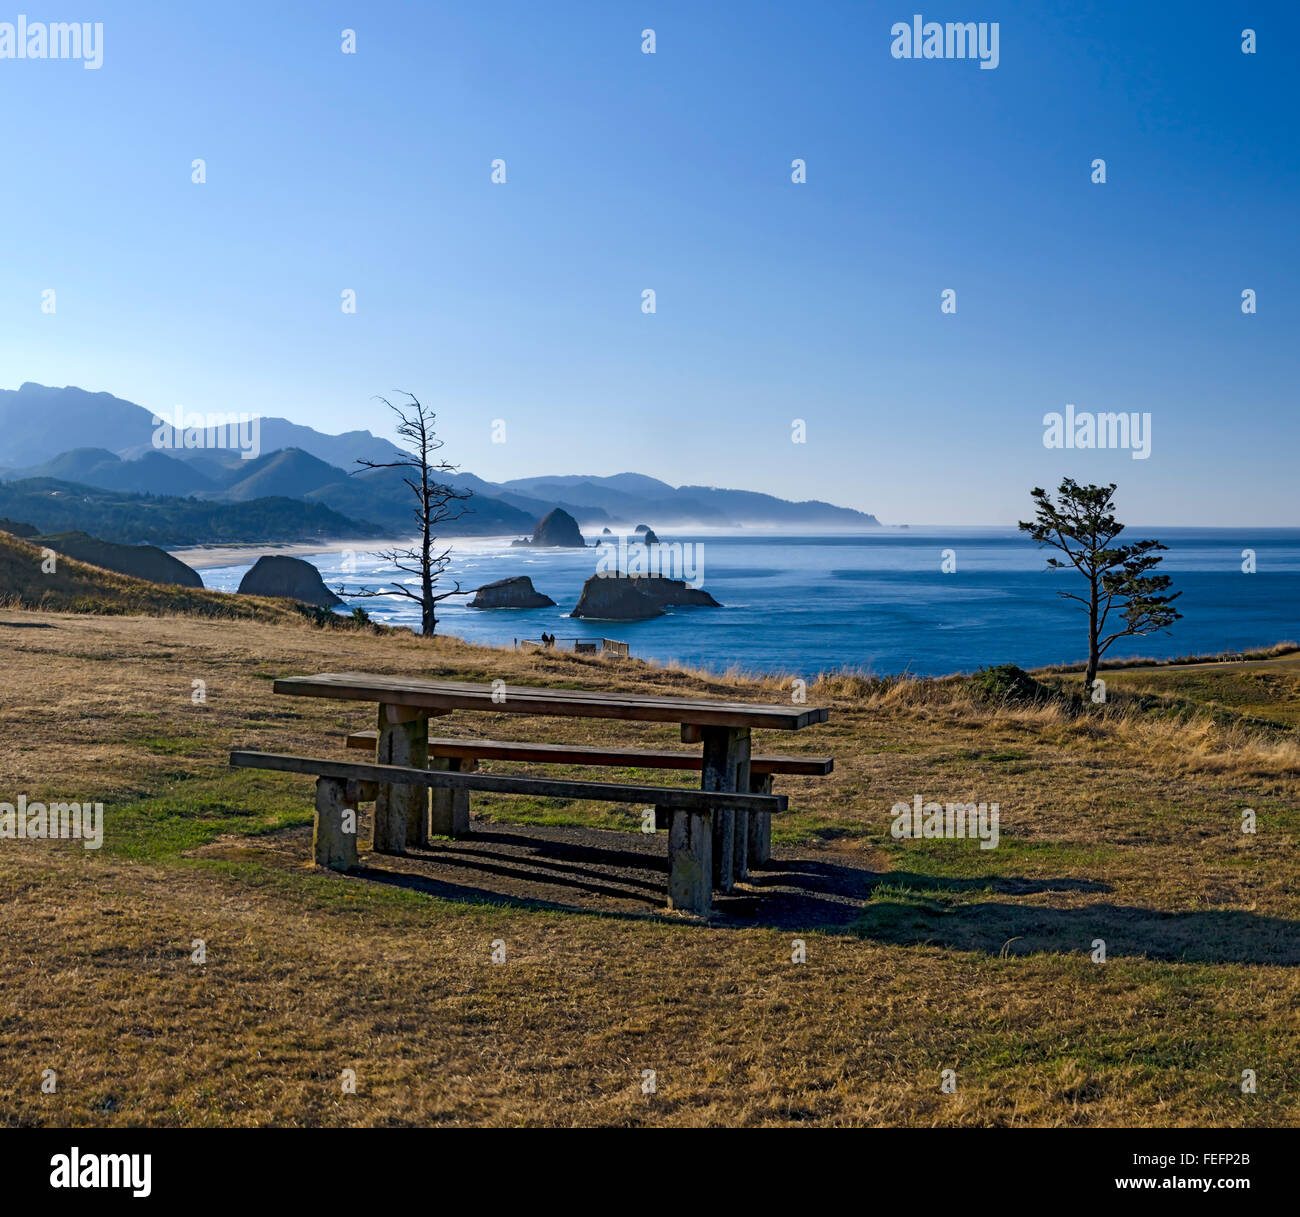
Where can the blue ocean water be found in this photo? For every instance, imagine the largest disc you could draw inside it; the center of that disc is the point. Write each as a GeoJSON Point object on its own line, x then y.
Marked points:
{"type": "Point", "coordinates": [875, 601]}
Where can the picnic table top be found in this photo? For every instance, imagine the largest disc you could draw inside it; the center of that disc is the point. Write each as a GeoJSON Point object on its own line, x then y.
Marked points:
{"type": "Point", "coordinates": [532, 699]}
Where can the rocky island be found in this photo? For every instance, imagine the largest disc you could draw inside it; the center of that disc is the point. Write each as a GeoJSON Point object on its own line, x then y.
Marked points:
{"type": "Point", "coordinates": [557, 530]}
{"type": "Point", "coordinates": [290, 578]}
{"type": "Point", "coordinates": [515, 593]}
{"type": "Point", "coordinates": [637, 597]}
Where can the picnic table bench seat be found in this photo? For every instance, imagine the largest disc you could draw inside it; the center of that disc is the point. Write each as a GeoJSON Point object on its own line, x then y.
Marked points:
{"type": "Point", "coordinates": [451, 808]}
{"type": "Point", "coordinates": [583, 754]}
{"type": "Point", "coordinates": [689, 812]}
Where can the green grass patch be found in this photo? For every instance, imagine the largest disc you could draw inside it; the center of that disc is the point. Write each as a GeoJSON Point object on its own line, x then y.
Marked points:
{"type": "Point", "coordinates": [172, 745]}
{"type": "Point", "coordinates": [195, 811]}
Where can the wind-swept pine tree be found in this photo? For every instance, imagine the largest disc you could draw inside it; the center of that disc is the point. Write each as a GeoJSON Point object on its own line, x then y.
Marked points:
{"type": "Point", "coordinates": [1082, 525]}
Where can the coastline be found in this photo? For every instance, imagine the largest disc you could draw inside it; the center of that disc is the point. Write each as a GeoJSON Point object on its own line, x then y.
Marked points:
{"type": "Point", "coordinates": [203, 557]}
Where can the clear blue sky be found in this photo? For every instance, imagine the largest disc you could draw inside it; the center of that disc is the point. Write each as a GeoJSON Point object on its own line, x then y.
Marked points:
{"type": "Point", "coordinates": [671, 171]}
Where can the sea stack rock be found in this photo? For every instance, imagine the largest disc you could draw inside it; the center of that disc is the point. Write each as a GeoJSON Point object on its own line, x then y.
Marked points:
{"type": "Point", "coordinates": [620, 598]}
{"type": "Point", "coordinates": [289, 578]}
{"type": "Point", "coordinates": [611, 599]}
{"type": "Point", "coordinates": [139, 561]}
{"type": "Point", "coordinates": [558, 530]}
{"type": "Point", "coordinates": [674, 592]}
{"type": "Point", "coordinates": [516, 593]}
{"type": "Point", "coordinates": [648, 537]}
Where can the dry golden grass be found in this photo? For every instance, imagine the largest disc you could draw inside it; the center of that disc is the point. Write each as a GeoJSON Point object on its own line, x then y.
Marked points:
{"type": "Point", "coordinates": [82, 588]}
{"type": "Point", "coordinates": [1122, 825]}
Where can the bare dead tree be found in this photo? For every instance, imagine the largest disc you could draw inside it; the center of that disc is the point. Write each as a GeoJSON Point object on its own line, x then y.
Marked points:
{"type": "Point", "coordinates": [435, 504]}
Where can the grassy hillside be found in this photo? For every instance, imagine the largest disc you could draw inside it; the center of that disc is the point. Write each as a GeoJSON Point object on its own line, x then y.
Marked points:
{"type": "Point", "coordinates": [146, 562]}
{"type": "Point", "coordinates": [79, 587]}
{"type": "Point", "coordinates": [1121, 823]}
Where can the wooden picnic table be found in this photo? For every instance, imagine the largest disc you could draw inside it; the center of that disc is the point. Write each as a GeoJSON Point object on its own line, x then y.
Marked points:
{"type": "Point", "coordinates": [406, 703]}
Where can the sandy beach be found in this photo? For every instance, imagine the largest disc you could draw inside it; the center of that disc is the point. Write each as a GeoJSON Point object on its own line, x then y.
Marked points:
{"type": "Point", "coordinates": [200, 557]}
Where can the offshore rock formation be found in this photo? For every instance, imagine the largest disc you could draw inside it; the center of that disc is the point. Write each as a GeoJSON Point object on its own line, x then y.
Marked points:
{"type": "Point", "coordinates": [516, 593]}
{"type": "Point", "coordinates": [558, 530]}
{"type": "Point", "coordinates": [636, 598]}
{"type": "Point", "coordinates": [290, 578]}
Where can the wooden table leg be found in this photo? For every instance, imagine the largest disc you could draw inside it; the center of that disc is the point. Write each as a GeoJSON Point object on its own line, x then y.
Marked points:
{"type": "Point", "coordinates": [760, 824]}
{"type": "Point", "coordinates": [401, 812]}
{"type": "Point", "coordinates": [333, 845]}
{"type": "Point", "coordinates": [690, 860]}
{"type": "Point", "coordinates": [724, 748]}
{"type": "Point", "coordinates": [449, 809]}
{"type": "Point", "coordinates": [740, 847]}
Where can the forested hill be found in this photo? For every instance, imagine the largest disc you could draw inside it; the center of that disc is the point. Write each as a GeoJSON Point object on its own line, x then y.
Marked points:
{"type": "Point", "coordinates": [52, 506]}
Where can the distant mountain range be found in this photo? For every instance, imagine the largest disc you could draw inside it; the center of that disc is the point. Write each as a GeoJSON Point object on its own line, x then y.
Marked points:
{"type": "Point", "coordinates": [116, 452]}
{"type": "Point", "coordinates": [35, 421]}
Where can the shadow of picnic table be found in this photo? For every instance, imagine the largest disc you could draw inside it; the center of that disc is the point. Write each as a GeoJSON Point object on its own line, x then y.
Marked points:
{"type": "Point", "coordinates": [623, 875]}
{"type": "Point", "coordinates": [913, 909]}
{"type": "Point", "coordinates": [998, 927]}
